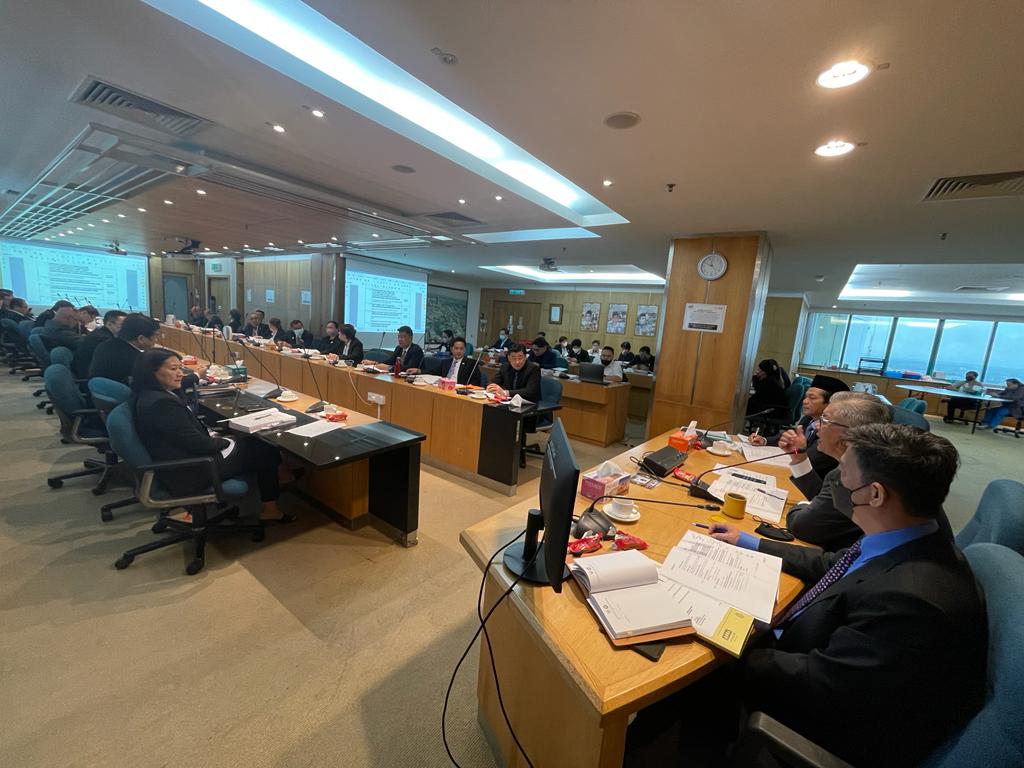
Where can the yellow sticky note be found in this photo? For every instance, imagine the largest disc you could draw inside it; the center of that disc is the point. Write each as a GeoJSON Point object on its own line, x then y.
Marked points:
{"type": "Point", "coordinates": [733, 631]}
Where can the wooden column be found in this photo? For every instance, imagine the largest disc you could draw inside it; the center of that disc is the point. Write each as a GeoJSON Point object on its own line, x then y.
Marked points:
{"type": "Point", "coordinates": [703, 375]}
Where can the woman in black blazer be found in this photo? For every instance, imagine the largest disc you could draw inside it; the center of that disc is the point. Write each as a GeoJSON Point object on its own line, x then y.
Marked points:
{"type": "Point", "coordinates": [169, 430]}
{"type": "Point", "coordinates": [277, 333]}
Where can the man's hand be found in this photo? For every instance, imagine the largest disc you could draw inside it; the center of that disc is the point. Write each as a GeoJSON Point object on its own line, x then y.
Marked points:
{"type": "Point", "coordinates": [494, 389]}
{"type": "Point", "coordinates": [730, 534]}
{"type": "Point", "coordinates": [794, 441]}
{"type": "Point", "coordinates": [758, 440]}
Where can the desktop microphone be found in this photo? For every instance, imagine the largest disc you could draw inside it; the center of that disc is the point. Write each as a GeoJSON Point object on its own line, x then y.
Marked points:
{"type": "Point", "coordinates": [202, 347]}
{"type": "Point", "coordinates": [700, 490]}
{"type": "Point", "coordinates": [381, 345]}
{"type": "Point", "coordinates": [315, 407]}
{"type": "Point", "coordinates": [277, 391]}
{"type": "Point", "coordinates": [476, 362]}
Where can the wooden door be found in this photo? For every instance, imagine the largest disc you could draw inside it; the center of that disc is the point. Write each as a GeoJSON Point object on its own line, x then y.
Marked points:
{"type": "Point", "coordinates": [219, 289]}
{"type": "Point", "coordinates": [520, 317]}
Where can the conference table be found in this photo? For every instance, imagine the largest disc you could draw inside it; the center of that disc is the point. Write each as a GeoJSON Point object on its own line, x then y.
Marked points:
{"type": "Point", "coordinates": [979, 400]}
{"type": "Point", "coordinates": [567, 690]}
{"type": "Point", "coordinates": [475, 439]}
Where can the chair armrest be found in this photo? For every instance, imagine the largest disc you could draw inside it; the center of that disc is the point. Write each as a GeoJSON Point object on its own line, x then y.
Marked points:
{"type": "Point", "coordinates": [766, 734]}
{"type": "Point", "coordinates": [76, 424]}
{"type": "Point", "coordinates": [207, 464]}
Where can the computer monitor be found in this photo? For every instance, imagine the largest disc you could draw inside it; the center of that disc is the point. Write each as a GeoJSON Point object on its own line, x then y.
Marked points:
{"type": "Point", "coordinates": [592, 373]}
{"type": "Point", "coordinates": [545, 563]}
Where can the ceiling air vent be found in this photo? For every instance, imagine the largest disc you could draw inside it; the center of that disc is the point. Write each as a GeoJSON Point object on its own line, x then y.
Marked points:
{"type": "Point", "coordinates": [1009, 184]}
{"type": "Point", "coordinates": [453, 219]}
{"type": "Point", "coordinates": [980, 289]}
{"type": "Point", "coordinates": [139, 109]}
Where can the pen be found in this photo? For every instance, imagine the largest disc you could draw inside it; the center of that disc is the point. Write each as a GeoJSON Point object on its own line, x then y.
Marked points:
{"type": "Point", "coordinates": [263, 416]}
{"type": "Point", "coordinates": [701, 525]}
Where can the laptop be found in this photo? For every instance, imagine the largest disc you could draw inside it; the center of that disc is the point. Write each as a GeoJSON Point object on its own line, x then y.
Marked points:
{"type": "Point", "coordinates": [592, 373]}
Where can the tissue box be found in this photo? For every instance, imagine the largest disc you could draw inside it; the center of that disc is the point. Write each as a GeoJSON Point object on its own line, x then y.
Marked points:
{"type": "Point", "coordinates": [595, 486]}
{"type": "Point", "coordinates": [683, 442]}
{"type": "Point", "coordinates": [238, 370]}
{"type": "Point", "coordinates": [448, 385]}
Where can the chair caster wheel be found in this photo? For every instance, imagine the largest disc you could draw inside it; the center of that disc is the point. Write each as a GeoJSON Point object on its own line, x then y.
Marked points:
{"type": "Point", "coordinates": [99, 490]}
{"type": "Point", "coordinates": [159, 526]}
{"type": "Point", "coordinates": [49, 410]}
{"type": "Point", "coordinates": [40, 406]}
{"type": "Point", "coordinates": [259, 535]}
{"type": "Point", "coordinates": [123, 562]}
{"type": "Point", "coordinates": [106, 515]}
{"type": "Point", "coordinates": [54, 482]}
{"type": "Point", "coordinates": [195, 566]}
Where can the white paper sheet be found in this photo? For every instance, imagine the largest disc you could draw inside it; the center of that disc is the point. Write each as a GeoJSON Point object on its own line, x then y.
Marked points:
{"type": "Point", "coordinates": [705, 613]}
{"type": "Point", "coordinates": [766, 503]}
{"type": "Point", "coordinates": [765, 454]}
{"type": "Point", "coordinates": [314, 428]}
{"type": "Point", "coordinates": [743, 578]}
{"type": "Point", "coordinates": [746, 473]}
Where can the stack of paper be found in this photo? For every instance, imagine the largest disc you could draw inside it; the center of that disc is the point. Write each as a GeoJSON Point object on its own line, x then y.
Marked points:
{"type": "Point", "coordinates": [767, 503]}
{"type": "Point", "coordinates": [257, 422]}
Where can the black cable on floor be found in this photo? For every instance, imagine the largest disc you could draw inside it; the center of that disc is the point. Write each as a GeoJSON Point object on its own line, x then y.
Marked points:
{"type": "Point", "coordinates": [481, 628]}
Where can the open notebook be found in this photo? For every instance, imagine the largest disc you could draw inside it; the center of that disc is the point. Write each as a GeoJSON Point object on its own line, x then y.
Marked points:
{"type": "Point", "coordinates": [630, 599]}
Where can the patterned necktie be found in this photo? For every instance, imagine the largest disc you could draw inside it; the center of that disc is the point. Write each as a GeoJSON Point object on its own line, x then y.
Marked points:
{"type": "Point", "coordinates": [834, 574]}
{"type": "Point", "coordinates": [453, 372]}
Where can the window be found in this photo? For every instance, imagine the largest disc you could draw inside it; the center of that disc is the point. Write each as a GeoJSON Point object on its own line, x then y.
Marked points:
{"type": "Point", "coordinates": [962, 347]}
{"type": "Point", "coordinates": [912, 344]}
{"type": "Point", "coordinates": [825, 335]}
{"type": "Point", "coordinates": [1007, 357]}
{"type": "Point", "coordinates": [869, 337]}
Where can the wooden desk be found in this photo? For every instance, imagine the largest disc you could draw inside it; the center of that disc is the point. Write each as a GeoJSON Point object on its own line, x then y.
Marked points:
{"type": "Point", "coordinates": [569, 692]}
{"type": "Point", "coordinates": [590, 412]}
{"type": "Point", "coordinates": [474, 439]}
{"type": "Point", "coordinates": [641, 394]}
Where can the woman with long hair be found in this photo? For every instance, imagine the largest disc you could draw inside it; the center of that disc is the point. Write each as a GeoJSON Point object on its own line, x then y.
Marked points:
{"type": "Point", "coordinates": [170, 431]}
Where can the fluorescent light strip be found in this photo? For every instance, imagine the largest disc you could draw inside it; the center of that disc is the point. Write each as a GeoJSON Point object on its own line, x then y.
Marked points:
{"type": "Point", "coordinates": [530, 235]}
{"type": "Point", "coordinates": [380, 90]}
{"type": "Point", "coordinates": [873, 293]}
{"type": "Point", "coordinates": [638, 277]}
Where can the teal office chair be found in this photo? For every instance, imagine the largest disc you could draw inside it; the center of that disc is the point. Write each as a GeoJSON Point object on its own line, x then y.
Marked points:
{"type": "Point", "coordinates": [25, 329]}
{"type": "Point", "coordinates": [125, 441]}
{"type": "Point", "coordinates": [913, 404]}
{"type": "Point", "coordinates": [993, 737]}
{"type": "Point", "coordinates": [79, 424]}
{"type": "Point", "coordinates": [18, 356]}
{"type": "Point", "coordinates": [469, 349]}
{"type": "Point", "coordinates": [999, 518]}
{"type": "Point", "coordinates": [106, 395]}
{"type": "Point", "coordinates": [61, 356]}
{"type": "Point", "coordinates": [907, 416]}
{"type": "Point", "coordinates": [803, 381]}
{"type": "Point", "coordinates": [42, 356]}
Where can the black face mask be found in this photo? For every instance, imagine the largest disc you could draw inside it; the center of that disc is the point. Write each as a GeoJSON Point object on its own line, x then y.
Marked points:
{"type": "Point", "coordinates": [842, 497]}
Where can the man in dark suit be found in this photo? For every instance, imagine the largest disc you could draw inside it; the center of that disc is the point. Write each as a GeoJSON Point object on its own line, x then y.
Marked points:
{"type": "Point", "coordinates": [503, 342]}
{"type": "Point", "coordinates": [883, 658]}
{"type": "Point", "coordinates": [18, 310]}
{"type": "Point", "coordinates": [408, 354]}
{"type": "Point", "coordinates": [815, 399]}
{"type": "Point", "coordinates": [212, 320]}
{"type": "Point", "coordinates": [256, 327]}
{"type": "Point", "coordinates": [298, 336]}
{"type": "Point", "coordinates": [542, 354]}
{"type": "Point", "coordinates": [331, 343]}
{"type": "Point", "coordinates": [351, 346]}
{"type": "Point", "coordinates": [115, 358]}
{"type": "Point", "coordinates": [112, 321]}
{"type": "Point", "coordinates": [465, 370]}
{"type": "Point", "coordinates": [49, 313]}
{"type": "Point", "coordinates": [517, 376]}
{"type": "Point", "coordinates": [63, 329]}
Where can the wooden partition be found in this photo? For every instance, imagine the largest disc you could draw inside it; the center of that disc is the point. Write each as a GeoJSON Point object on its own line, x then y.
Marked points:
{"type": "Point", "coordinates": [704, 375]}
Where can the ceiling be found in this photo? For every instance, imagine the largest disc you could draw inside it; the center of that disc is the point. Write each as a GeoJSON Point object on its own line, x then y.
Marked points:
{"type": "Point", "coordinates": [730, 114]}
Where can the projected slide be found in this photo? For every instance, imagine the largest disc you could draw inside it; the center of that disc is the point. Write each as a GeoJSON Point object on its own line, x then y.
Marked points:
{"type": "Point", "coordinates": [43, 274]}
{"type": "Point", "coordinates": [380, 299]}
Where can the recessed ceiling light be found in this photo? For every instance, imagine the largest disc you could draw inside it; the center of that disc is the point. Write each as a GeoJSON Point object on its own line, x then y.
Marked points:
{"type": "Point", "coordinates": [152, 253]}
{"type": "Point", "coordinates": [80, 229]}
{"type": "Point", "coordinates": [374, 234]}
{"type": "Point", "coordinates": [373, 213]}
{"type": "Point", "coordinates": [462, 201]}
{"type": "Point", "coordinates": [843, 74]}
{"type": "Point", "coordinates": [334, 238]}
{"type": "Point", "coordinates": [819, 278]}
{"type": "Point", "coordinates": [179, 168]}
{"type": "Point", "coordinates": [453, 271]}
{"type": "Point", "coordinates": [121, 216]}
{"type": "Point", "coordinates": [245, 245]}
{"type": "Point", "coordinates": [834, 306]}
{"type": "Point", "coordinates": [622, 120]}
{"type": "Point", "coordinates": [90, 225]}
{"type": "Point", "coordinates": [300, 242]}
{"type": "Point", "coordinates": [168, 202]}
{"type": "Point", "coordinates": [498, 198]}
{"type": "Point", "coordinates": [142, 210]}
{"type": "Point", "coordinates": [224, 248]}
{"type": "Point", "coordinates": [318, 113]}
{"type": "Point", "coordinates": [607, 182]}
{"type": "Point", "coordinates": [269, 243]}
{"type": "Point", "coordinates": [874, 293]}
{"type": "Point", "coordinates": [105, 221]}
{"type": "Point", "coordinates": [60, 234]}
{"type": "Point", "coordinates": [834, 148]}
{"type": "Point", "coordinates": [1015, 296]}
{"type": "Point", "coordinates": [200, 191]}
{"type": "Point", "coordinates": [278, 128]}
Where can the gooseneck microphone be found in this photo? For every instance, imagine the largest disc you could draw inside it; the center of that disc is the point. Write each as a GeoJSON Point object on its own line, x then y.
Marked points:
{"type": "Point", "coordinates": [469, 379]}
{"type": "Point", "coordinates": [315, 407]}
{"type": "Point", "coordinates": [700, 490]}
{"type": "Point", "coordinates": [276, 391]}
{"type": "Point", "coordinates": [707, 442]}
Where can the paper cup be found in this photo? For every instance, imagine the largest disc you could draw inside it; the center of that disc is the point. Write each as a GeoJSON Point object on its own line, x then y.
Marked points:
{"type": "Point", "coordinates": [735, 505]}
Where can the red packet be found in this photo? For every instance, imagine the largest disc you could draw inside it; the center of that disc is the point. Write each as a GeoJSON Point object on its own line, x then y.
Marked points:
{"type": "Point", "coordinates": [628, 541]}
{"type": "Point", "coordinates": [589, 543]}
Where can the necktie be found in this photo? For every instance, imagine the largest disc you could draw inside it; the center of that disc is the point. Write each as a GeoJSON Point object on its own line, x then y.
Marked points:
{"type": "Point", "coordinates": [453, 373]}
{"type": "Point", "coordinates": [834, 574]}
{"type": "Point", "coordinates": [515, 380]}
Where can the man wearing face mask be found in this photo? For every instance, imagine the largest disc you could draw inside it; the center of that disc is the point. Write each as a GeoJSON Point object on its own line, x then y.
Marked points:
{"type": "Point", "coordinates": [503, 342]}
{"type": "Point", "coordinates": [577, 354]}
{"type": "Point", "coordinates": [883, 658]}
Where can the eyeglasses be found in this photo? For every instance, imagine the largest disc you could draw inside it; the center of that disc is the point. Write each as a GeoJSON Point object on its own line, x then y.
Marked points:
{"type": "Point", "coordinates": [823, 420]}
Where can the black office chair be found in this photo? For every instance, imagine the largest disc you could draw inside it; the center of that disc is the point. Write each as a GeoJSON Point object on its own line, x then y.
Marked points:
{"type": "Point", "coordinates": [550, 400]}
{"type": "Point", "coordinates": [781, 418]}
{"type": "Point", "coordinates": [432, 365]}
{"type": "Point", "coordinates": [379, 356]}
{"type": "Point", "coordinates": [1015, 430]}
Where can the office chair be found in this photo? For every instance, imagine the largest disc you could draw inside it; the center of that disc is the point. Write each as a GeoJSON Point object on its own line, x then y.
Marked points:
{"type": "Point", "coordinates": [106, 395]}
{"type": "Point", "coordinates": [435, 366]}
{"type": "Point", "coordinates": [79, 424]}
{"type": "Point", "coordinates": [380, 356]}
{"type": "Point", "coordinates": [994, 736]}
{"type": "Point", "coordinates": [18, 356]}
{"type": "Point", "coordinates": [773, 423]}
{"type": "Point", "coordinates": [913, 404]}
{"type": "Point", "coordinates": [61, 356]}
{"type": "Point", "coordinates": [999, 518]}
{"type": "Point", "coordinates": [550, 396]}
{"type": "Point", "coordinates": [907, 416]}
{"type": "Point", "coordinates": [42, 356]}
{"type": "Point", "coordinates": [125, 441]}
{"type": "Point", "coordinates": [1016, 431]}
{"type": "Point", "coordinates": [469, 349]}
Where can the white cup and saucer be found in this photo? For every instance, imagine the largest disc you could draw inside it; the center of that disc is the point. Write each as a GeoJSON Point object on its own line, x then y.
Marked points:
{"type": "Point", "coordinates": [287, 396]}
{"type": "Point", "coordinates": [720, 448]}
{"type": "Point", "coordinates": [622, 510]}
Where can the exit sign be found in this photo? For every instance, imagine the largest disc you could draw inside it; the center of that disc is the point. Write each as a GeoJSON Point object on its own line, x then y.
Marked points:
{"type": "Point", "coordinates": [516, 292]}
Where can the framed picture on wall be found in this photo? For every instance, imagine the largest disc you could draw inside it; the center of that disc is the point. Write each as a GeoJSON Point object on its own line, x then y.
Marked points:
{"type": "Point", "coordinates": [617, 318]}
{"type": "Point", "coordinates": [589, 316]}
{"type": "Point", "coordinates": [646, 320]}
{"type": "Point", "coordinates": [555, 314]}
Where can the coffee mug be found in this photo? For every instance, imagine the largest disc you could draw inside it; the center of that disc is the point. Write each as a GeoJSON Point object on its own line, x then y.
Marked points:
{"type": "Point", "coordinates": [735, 505]}
{"type": "Point", "coordinates": [622, 506]}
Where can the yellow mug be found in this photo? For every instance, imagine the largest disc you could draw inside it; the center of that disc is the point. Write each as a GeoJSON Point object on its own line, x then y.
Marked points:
{"type": "Point", "coordinates": [735, 505]}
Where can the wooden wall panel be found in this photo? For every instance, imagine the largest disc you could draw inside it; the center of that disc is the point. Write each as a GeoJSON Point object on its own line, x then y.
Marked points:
{"type": "Point", "coordinates": [287, 279]}
{"type": "Point", "coordinates": [703, 375]}
{"type": "Point", "coordinates": [781, 330]}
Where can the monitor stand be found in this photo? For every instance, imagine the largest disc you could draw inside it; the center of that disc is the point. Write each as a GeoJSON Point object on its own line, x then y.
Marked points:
{"type": "Point", "coordinates": [518, 556]}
